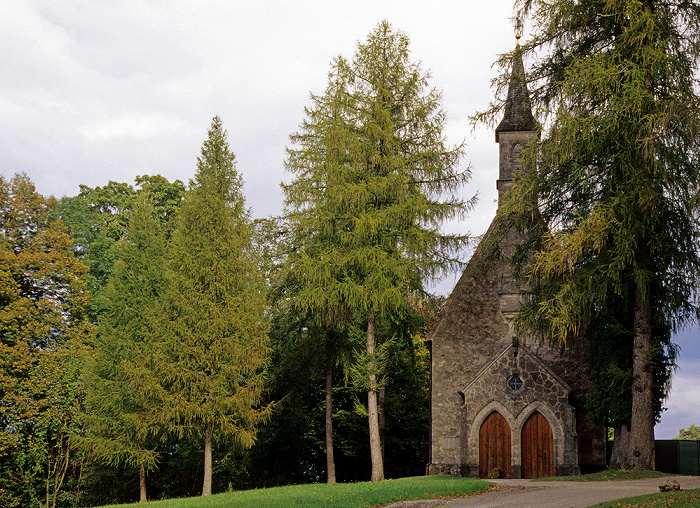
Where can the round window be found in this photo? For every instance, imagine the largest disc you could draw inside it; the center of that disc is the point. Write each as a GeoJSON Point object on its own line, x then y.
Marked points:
{"type": "Point", "coordinates": [515, 383]}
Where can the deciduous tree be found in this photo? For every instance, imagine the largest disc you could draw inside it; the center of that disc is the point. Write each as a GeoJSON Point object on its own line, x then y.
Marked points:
{"type": "Point", "coordinates": [98, 217]}
{"type": "Point", "coordinates": [44, 336]}
{"type": "Point", "coordinates": [692, 432]}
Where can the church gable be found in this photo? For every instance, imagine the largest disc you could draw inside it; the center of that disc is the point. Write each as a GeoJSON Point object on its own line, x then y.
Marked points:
{"type": "Point", "coordinates": [516, 374]}
{"type": "Point", "coordinates": [484, 391]}
{"type": "Point", "coordinates": [474, 295]}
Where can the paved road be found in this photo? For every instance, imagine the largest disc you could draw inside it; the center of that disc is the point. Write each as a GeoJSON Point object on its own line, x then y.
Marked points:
{"type": "Point", "coordinates": [529, 494]}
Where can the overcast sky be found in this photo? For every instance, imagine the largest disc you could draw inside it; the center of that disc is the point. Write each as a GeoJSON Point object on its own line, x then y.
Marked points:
{"type": "Point", "coordinates": [93, 91]}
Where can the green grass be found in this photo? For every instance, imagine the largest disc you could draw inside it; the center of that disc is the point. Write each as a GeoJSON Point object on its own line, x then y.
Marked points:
{"type": "Point", "coordinates": [338, 495]}
{"type": "Point", "coordinates": [681, 499]}
{"type": "Point", "coordinates": [605, 476]}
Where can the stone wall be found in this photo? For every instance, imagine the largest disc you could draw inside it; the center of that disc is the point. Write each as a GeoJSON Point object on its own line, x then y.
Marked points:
{"type": "Point", "coordinates": [472, 316]}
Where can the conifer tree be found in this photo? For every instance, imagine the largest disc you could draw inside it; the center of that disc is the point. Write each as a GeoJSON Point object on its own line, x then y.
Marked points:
{"type": "Point", "coordinates": [314, 228]}
{"type": "Point", "coordinates": [216, 349]}
{"type": "Point", "coordinates": [123, 391]}
{"type": "Point", "coordinates": [374, 182]}
{"type": "Point", "coordinates": [610, 201]}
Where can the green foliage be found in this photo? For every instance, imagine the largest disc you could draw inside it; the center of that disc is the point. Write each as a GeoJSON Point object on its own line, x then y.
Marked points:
{"type": "Point", "coordinates": [370, 165]}
{"type": "Point", "coordinates": [611, 339]}
{"type": "Point", "coordinates": [214, 349]}
{"type": "Point", "coordinates": [98, 217]}
{"type": "Point", "coordinates": [692, 432]}
{"type": "Point", "coordinates": [290, 448]}
{"type": "Point", "coordinates": [44, 336]}
{"type": "Point", "coordinates": [339, 495]}
{"type": "Point", "coordinates": [617, 171]}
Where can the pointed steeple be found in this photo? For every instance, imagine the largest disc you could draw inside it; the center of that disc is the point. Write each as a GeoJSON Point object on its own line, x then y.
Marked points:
{"type": "Point", "coordinates": [517, 129]}
{"type": "Point", "coordinates": [518, 112]}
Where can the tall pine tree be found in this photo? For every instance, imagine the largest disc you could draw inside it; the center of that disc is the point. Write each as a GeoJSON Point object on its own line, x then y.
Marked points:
{"type": "Point", "coordinates": [374, 182]}
{"type": "Point", "coordinates": [615, 176]}
{"type": "Point", "coordinates": [216, 351]}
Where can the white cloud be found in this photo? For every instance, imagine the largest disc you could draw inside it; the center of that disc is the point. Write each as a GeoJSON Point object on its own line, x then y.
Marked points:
{"type": "Point", "coordinates": [684, 401]}
{"type": "Point", "coordinates": [138, 127]}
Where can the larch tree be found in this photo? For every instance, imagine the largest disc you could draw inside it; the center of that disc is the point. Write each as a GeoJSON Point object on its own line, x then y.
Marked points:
{"type": "Point", "coordinates": [314, 227]}
{"type": "Point", "coordinates": [216, 348]}
{"type": "Point", "coordinates": [374, 181]}
{"type": "Point", "coordinates": [124, 394]}
{"type": "Point", "coordinates": [610, 202]}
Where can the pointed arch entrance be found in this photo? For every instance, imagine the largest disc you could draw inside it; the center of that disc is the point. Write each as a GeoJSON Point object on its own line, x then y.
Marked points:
{"type": "Point", "coordinates": [537, 447]}
{"type": "Point", "coordinates": [494, 445]}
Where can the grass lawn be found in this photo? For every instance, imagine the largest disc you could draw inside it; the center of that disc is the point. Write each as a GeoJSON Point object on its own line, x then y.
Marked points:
{"type": "Point", "coordinates": [682, 499]}
{"type": "Point", "coordinates": [321, 495]}
{"type": "Point", "coordinates": [607, 475]}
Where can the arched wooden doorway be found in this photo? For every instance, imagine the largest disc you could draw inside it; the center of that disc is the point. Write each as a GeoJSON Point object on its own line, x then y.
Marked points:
{"type": "Point", "coordinates": [494, 445]}
{"type": "Point", "coordinates": [538, 447]}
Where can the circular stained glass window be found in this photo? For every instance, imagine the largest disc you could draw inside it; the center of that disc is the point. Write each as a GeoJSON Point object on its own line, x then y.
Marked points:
{"type": "Point", "coordinates": [515, 383]}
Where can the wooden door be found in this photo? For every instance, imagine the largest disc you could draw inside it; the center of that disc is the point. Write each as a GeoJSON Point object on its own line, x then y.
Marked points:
{"type": "Point", "coordinates": [537, 447]}
{"type": "Point", "coordinates": [494, 445]}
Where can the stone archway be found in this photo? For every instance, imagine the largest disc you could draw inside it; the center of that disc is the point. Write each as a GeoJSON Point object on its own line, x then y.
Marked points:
{"type": "Point", "coordinates": [537, 447]}
{"type": "Point", "coordinates": [494, 445]}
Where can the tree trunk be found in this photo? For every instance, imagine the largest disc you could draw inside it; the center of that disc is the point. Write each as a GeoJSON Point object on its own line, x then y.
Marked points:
{"type": "Point", "coordinates": [206, 487]}
{"type": "Point", "coordinates": [330, 459]}
{"type": "Point", "coordinates": [142, 485]}
{"type": "Point", "coordinates": [621, 446]}
{"type": "Point", "coordinates": [375, 446]}
{"type": "Point", "coordinates": [642, 454]}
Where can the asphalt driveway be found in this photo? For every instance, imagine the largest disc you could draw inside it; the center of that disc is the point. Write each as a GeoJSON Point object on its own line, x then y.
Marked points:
{"type": "Point", "coordinates": [563, 494]}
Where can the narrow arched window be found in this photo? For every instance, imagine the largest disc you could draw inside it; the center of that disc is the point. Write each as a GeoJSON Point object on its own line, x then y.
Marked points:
{"type": "Point", "coordinates": [516, 154]}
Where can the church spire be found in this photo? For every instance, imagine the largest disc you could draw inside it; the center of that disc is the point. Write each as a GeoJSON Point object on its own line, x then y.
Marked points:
{"type": "Point", "coordinates": [517, 129]}
{"type": "Point", "coordinates": [518, 112]}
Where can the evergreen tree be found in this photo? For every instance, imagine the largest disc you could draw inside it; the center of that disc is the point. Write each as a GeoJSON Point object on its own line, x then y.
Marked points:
{"type": "Point", "coordinates": [314, 230]}
{"type": "Point", "coordinates": [123, 394]}
{"type": "Point", "coordinates": [216, 346]}
{"type": "Point", "coordinates": [610, 202]}
{"type": "Point", "coordinates": [372, 170]}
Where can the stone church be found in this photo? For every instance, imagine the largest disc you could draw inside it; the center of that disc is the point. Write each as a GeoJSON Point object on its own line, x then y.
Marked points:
{"type": "Point", "coordinates": [499, 400]}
